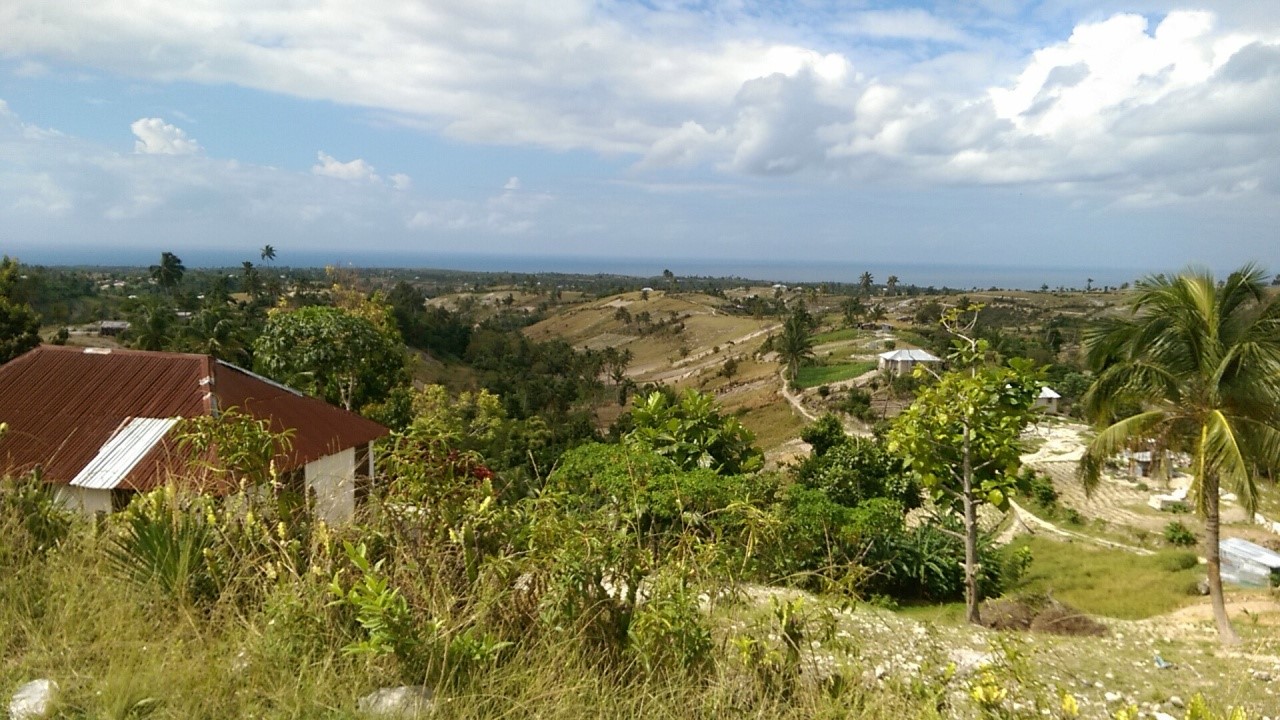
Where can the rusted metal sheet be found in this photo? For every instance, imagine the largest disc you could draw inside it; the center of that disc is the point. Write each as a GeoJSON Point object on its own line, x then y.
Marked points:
{"type": "Point", "coordinates": [63, 405]}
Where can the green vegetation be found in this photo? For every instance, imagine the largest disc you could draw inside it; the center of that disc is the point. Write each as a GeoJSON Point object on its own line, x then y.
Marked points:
{"type": "Point", "coordinates": [1112, 583]}
{"type": "Point", "coordinates": [814, 375]}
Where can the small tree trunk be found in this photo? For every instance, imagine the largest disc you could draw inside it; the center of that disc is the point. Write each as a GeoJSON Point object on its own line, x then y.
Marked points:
{"type": "Point", "coordinates": [971, 613]}
{"type": "Point", "coordinates": [1213, 552]}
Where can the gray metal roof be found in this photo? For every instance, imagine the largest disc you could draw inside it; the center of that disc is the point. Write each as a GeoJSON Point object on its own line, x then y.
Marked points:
{"type": "Point", "coordinates": [912, 354]}
{"type": "Point", "coordinates": [126, 448]}
{"type": "Point", "coordinates": [1236, 549]}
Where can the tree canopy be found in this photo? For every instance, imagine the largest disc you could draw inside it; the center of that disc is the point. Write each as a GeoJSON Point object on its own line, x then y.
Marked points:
{"type": "Point", "coordinates": [331, 353]}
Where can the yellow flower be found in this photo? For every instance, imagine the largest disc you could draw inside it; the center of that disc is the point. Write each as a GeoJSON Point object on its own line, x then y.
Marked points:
{"type": "Point", "coordinates": [1070, 708]}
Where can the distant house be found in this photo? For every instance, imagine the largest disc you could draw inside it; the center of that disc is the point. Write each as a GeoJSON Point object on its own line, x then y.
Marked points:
{"type": "Point", "coordinates": [112, 328]}
{"type": "Point", "coordinates": [1048, 400]}
{"type": "Point", "coordinates": [1244, 563]}
{"type": "Point", "coordinates": [97, 424]}
{"type": "Point", "coordinates": [897, 362]}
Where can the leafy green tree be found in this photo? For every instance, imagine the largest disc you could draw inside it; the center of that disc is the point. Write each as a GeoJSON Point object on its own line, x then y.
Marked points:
{"type": "Point", "coordinates": [168, 274]}
{"type": "Point", "coordinates": [1202, 362]}
{"type": "Point", "coordinates": [794, 345]}
{"type": "Point", "coordinates": [960, 437]}
{"type": "Point", "coordinates": [268, 253]}
{"type": "Point", "coordinates": [19, 324]}
{"type": "Point", "coordinates": [19, 329]}
{"type": "Point", "coordinates": [332, 354]}
{"type": "Point", "coordinates": [851, 470]}
{"type": "Point", "coordinates": [891, 285]}
{"type": "Point", "coordinates": [693, 433]}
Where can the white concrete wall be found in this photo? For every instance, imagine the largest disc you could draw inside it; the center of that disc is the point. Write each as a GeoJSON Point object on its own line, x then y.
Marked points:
{"type": "Point", "coordinates": [332, 478]}
{"type": "Point", "coordinates": [87, 501]}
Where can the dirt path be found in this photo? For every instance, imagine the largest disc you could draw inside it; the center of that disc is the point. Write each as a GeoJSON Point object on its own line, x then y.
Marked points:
{"type": "Point", "coordinates": [1024, 521]}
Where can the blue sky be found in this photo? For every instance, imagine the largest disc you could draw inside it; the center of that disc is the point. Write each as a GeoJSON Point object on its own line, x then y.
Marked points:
{"type": "Point", "coordinates": [1060, 133]}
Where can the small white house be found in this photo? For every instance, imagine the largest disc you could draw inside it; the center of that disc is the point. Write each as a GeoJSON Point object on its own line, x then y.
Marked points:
{"type": "Point", "coordinates": [97, 424]}
{"type": "Point", "coordinates": [898, 362]}
{"type": "Point", "coordinates": [1048, 400]}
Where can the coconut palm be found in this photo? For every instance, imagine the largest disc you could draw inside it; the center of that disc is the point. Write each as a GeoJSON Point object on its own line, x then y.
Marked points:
{"type": "Point", "coordinates": [794, 346]}
{"type": "Point", "coordinates": [169, 272]}
{"type": "Point", "coordinates": [865, 282]}
{"type": "Point", "coordinates": [1198, 364]}
{"type": "Point", "coordinates": [891, 285]}
{"type": "Point", "coordinates": [268, 253]}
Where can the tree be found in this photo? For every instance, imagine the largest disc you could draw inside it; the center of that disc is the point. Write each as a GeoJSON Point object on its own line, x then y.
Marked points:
{"type": "Point", "coordinates": [252, 280]}
{"type": "Point", "coordinates": [891, 285]}
{"type": "Point", "coordinates": [795, 345]}
{"type": "Point", "coordinates": [268, 253]}
{"type": "Point", "coordinates": [216, 331]}
{"type": "Point", "coordinates": [19, 329]}
{"type": "Point", "coordinates": [694, 434]}
{"type": "Point", "coordinates": [1198, 364]}
{"type": "Point", "coordinates": [852, 309]}
{"type": "Point", "coordinates": [331, 353]}
{"type": "Point", "coordinates": [168, 274]}
{"type": "Point", "coordinates": [151, 325]}
{"type": "Point", "coordinates": [960, 437]}
{"type": "Point", "coordinates": [865, 282]}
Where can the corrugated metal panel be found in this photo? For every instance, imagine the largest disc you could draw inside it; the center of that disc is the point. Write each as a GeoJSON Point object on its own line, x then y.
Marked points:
{"type": "Point", "coordinates": [319, 429]}
{"type": "Point", "coordinates": [913, 354]}
{"type": "Point", "coordinates": [64, 404]}
{"type": "Point", "coordinates": [117, 458]}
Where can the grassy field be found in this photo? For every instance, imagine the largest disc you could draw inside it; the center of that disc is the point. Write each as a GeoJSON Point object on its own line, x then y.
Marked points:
{"type": "Point", "coordinates": [1113, 583]}
{"type": "Point", "coordinates": [836, 336]}
{"type": "Point", "coordinates": [815, 375]}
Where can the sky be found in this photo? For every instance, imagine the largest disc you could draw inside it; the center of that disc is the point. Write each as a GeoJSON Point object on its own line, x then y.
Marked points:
{"type": "Point", "coordinates": [1060, 133]}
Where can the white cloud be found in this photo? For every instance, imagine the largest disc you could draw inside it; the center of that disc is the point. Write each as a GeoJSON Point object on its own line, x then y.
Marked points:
{"type": "Point", "coordinates": [356, 170]}
{"type": "Point", "coordinates": [400, 181]}
{"type": "Point", "coordinates": [512, 184]}
{"type": "Point", "coordinates": [157, 137]}
{"type": "Point", "coordinates": [1125, 106]}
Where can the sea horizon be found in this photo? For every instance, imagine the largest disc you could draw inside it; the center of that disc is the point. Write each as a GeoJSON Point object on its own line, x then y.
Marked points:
{"type": "Point", "coordinates": [952, 275]}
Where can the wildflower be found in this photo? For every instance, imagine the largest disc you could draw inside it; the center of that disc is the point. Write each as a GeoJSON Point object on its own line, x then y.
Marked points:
{"type": "Point", "coordinates": [1070, 708]}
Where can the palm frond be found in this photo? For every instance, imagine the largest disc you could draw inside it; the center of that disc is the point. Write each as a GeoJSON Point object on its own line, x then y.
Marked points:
{"type": "Point", "coordinates": [1224, 456]}
{"type": "Point", "coordinates": [1111, 440]}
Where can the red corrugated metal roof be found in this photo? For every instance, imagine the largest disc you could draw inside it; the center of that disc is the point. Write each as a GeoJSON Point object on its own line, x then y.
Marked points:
{"type": "Point", "coordinates": [62, 404]}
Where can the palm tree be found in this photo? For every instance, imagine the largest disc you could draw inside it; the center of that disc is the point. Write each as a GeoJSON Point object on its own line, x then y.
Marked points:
{"type": "Point", "coordinates": [268, 253]}
{"type": "Point", "coordinates": [794, 346]}
{"type": "Point", "coordinates": [1202, 363]}
{"type": "Point", "coordinates": [865, 281]}
{"type": "Point", "coordinates": [215, 331]}
{"type": "Point", "coordinates": [252, 280]}
{"type": "Point", "coordinates": [151, 325]}
{"type": "Point", "coordinates": [891, 285]}
{"type": "Point", "coordinates": [168, 274]}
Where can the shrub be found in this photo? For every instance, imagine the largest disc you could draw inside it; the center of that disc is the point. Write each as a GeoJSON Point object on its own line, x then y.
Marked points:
{"type": "Point", "coordinates": [31, 518]}
{"type": "Point", "coordinates": [1178, 560]}
{"type": "Point", "coordinates": [164, 540]}
{"type": "Point", "coordinates": [1179, 535]}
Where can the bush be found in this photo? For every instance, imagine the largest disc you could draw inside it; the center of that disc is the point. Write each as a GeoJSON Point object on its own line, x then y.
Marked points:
{"type": "Point", "coordinates": [1178, 560]}
{"type": "Point", "coordinates": [1179, 535]}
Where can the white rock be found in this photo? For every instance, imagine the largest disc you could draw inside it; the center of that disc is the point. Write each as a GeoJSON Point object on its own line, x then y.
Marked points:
{"type": "Point", "coordinates": [33, 700]}
{"type": "Point", "coordinates": [1177, 702]}
{"type": "Point", "coordinates": [1164, 716]}
{"type": "Point", "coordinates": [403, 701]}
{"type": "Point", "coordinates": [1112, 697]}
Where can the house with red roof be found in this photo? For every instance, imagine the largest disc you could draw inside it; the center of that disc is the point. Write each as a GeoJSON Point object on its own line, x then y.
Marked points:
{"type": "Point", "coordinates": [98, 424]}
